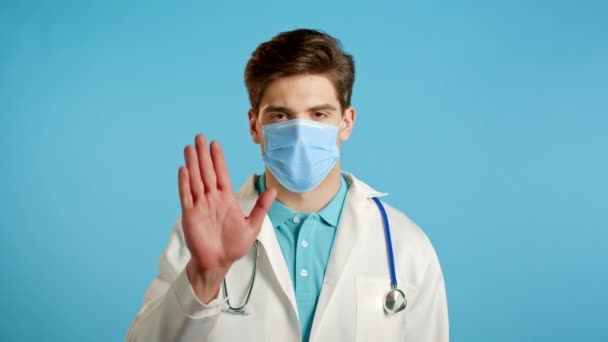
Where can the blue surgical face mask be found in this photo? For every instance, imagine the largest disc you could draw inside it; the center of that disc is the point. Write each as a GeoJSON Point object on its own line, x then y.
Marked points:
{"type": "Point", "coordinates": [300, 153]}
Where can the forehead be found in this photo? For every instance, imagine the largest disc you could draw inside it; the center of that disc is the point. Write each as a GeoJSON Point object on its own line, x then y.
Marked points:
{"type": "Point", "coordinates": [300, 91]}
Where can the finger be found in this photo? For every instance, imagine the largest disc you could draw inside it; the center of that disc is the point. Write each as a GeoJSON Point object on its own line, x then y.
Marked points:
{"type": "Point", "coordinates": [260, 209]}
{"type": "Point", "coordinates": [185, 196]}
{"type": "Point", "coordinates": [196, 183]}
{"type": "Point", "coordinates": [205, 163]}
{"type": "Point", "coordinates": [221, 170]}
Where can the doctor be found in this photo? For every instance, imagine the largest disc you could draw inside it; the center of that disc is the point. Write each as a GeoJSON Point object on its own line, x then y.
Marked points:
{"type": "Point", "coordinates": [302, 247]}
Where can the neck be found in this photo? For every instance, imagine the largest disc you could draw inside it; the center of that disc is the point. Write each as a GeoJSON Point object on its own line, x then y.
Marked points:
{"type": "Point", "coordinates": [307, 202]}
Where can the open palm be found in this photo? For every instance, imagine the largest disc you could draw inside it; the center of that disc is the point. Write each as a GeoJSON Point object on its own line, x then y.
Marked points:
{"type": "Point", "coordinates": [216, 230]}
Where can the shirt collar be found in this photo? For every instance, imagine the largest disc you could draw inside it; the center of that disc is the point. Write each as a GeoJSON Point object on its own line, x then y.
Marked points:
{"type": "Point", "coordinates": [278, 211]}
{"type": "Point", "coordinates": [330, 213]}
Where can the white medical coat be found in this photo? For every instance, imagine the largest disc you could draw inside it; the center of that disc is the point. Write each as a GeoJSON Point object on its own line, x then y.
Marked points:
{"type": "Point", "coordinates": [350, 306]}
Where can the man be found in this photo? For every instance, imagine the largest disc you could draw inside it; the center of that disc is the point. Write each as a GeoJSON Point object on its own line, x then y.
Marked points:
{"type": "Point", "coordinates": [302, 247]}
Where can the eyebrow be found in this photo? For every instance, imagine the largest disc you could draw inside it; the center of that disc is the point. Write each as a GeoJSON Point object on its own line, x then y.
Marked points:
{"type": "Point", "coordinates": [326, 106]}
{"type": "Point", "coordinates": [322, 107]}
{"type": "Point", "coordinates": [276, 109]}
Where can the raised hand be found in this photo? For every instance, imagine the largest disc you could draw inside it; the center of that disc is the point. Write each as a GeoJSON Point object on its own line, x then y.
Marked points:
{"type": "Point", "coordinates": [216, 231]}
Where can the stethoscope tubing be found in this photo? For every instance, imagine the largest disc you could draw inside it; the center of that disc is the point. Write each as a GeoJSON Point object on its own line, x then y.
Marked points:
{"type": "Point", "coordinates": [389, 242]}
{"type": "Point", "coordinates": [241, 309]}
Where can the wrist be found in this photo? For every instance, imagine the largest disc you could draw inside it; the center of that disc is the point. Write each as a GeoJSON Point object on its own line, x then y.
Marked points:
{"type": "Point", "coordinates": [205, 283]}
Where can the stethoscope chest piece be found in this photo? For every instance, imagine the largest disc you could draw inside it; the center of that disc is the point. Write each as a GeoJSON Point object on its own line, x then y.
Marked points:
{"type": "Point", "coordinates": [394, 301]}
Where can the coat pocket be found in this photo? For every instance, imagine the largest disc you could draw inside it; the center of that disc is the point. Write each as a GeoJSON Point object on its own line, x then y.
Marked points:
{"type": "Point", "coordinates": [373, 323]}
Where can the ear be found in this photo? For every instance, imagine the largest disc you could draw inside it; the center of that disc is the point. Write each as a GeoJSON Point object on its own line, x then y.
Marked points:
{"type": "Point", "coordinates": [347, 124]}
{"type": "Point", "coordinates": [256, 135]}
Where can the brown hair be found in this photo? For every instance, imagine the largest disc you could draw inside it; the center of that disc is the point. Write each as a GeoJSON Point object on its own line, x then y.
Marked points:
{"type": "Point", "coordinates": [296, 52]}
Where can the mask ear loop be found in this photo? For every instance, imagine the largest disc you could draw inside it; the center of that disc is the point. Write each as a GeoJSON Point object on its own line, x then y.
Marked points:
{"type": "Point", "coordinates": [260, 130]}
{"type": "Point", "coordinates": [342, 125]}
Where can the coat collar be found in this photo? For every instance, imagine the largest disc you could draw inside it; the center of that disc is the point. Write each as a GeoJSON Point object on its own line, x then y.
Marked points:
{"type": "Point", "coordinates": [356, 203]}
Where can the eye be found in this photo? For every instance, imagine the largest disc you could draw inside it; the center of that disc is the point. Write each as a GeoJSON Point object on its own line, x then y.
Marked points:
{"type": "Point", "coordinates": [321, 115]}
{"type": "Point", "coordinates": [278, 116]}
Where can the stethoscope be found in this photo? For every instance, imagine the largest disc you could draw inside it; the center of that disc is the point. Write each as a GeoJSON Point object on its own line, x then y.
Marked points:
{"type": "Point", "coordinates": [241, 310]}
{"type": "Point", "coordinates": [394, 299]}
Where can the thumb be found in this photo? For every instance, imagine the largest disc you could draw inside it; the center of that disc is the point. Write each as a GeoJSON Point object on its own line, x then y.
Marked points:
{"type": "Point", "coordinates": [256, 217]}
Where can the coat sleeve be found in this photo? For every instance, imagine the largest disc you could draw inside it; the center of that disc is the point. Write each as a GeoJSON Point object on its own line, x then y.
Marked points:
{"type": "Point", "coordinates": [429, 319]}
{"type": "Point", "coordinates": [171, 311]}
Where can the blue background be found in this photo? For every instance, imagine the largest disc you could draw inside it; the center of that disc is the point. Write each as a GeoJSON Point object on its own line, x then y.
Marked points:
{"type": "Point", "coordinates": [486, 121]}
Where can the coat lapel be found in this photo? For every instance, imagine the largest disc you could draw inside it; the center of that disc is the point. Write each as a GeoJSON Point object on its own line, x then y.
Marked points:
{"type": "Point", "coordinates": [352, 221]}
{"type": "Point", "coordinates": [268, 239]}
